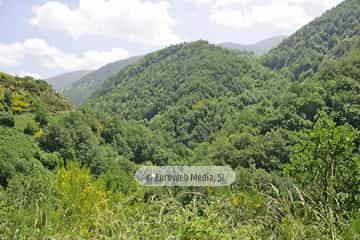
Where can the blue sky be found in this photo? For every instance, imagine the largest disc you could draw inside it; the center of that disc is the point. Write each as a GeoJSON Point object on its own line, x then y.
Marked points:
{"type": "Point", "coordinates": [44, 38]}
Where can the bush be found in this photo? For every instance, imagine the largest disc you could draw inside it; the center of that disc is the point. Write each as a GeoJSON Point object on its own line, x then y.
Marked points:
{"type": "Point", "coordinates": [30, 128]}
{"type": "Point", "coordinates": [41, 118]}
{"type": "Point", "coordinates": [41, 114]}
{"type": "Point", "coordinates": [51, 160]}
{"type": "Point", "coordinates": [7, 119]}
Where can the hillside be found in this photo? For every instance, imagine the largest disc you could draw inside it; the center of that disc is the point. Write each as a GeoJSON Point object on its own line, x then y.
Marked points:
{"type": "Point", "coordinates": [181, 73]}
{"type": "Point", "coordinates": [26, 106]}
{"type": "Point", "coordinates": [258, 48]}
{"type": "Point", "coordinates": [200, 96]}
{"type": "Point", "coordinates": [79, 91]}
{"type": "Point", "coordinates": [19, 95]}
{"type": "Point", "coordinates": [64, 80]}
{"type": "Point", "coordinates": [328, 36]}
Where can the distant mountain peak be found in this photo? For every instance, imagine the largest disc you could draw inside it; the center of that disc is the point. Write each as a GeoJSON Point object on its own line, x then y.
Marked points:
{"type": "Point", "coordinates": [258, 48]}
{"type": "Point", "coordinates": [66, 79]}
{"type": "Point", "coordinates": [79, 91]}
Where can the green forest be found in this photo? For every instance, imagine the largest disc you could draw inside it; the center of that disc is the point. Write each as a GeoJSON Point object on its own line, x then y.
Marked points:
{"type": "Point", "coordinates": [287, 122]}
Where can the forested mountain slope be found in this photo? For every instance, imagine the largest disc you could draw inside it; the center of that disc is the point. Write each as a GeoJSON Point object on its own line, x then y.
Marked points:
{"type": "Point", "coordinates": [340, 79]}
{"type": "Point", "coordinates": [328, 36]}
{"type": "Point", "coordinates": [200, 96]}
{"type": "Point", "coordinates": [181, 73]}
{"type": "Point", "coordinates": [79, 91]}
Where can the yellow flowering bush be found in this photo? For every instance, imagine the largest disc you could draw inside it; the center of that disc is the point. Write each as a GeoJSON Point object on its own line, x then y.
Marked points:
{"type": "Point", "coordinates": [19, 103]}
{"type": "Point", "coordinates": [82, 199]}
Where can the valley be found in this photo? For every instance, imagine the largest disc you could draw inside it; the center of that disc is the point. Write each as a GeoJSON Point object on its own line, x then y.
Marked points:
{"type": "Point", "coordinates": [286, 120]}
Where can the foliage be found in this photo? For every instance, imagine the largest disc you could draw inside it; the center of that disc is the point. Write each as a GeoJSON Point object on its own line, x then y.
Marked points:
{"type": "Point", "coordinates": [18, 103]}
{"type": "Point", "coordinates": [31, 128]}
{"type": "Point", "coordinates": [18, 154]}
{"type": "Point", "coordinates": [41, 113]}
{"type": "Point", "coordinates": [7, 119]}
{"type": "Point", "coordinates": [327, 162]}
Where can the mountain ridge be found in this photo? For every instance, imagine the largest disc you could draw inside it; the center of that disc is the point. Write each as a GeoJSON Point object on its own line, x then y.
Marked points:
{"type": "Point", "coordinates": [180, 76]}
{"type": "Point", "coordinates": [79, 91]}
{"type": "Point", "coordinates": [258, 48]}
{"type": "Point", "coordinates": [64, 80]}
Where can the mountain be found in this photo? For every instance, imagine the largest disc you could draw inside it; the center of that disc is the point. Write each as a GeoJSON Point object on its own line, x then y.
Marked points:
{"type": "Point", "coordinates": [328, 36]}
{"type": "Point", "coordinates": [191, 92]}
{"type": "Point", "coordinates": [180, 73]}
{"type": "Point", "coordinates": [79, 91]}
{"type": "Point", "coordinates": [64, 80]}
{"type": "Point", "coordinates": [258, 48]}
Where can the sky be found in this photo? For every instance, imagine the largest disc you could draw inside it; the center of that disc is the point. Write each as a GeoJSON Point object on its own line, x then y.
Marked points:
{"type": "Point", "coordinates": [42, 38]}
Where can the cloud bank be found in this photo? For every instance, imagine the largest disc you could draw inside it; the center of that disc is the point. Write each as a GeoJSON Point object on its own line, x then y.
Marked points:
{"type": "Point", "coordinates": [136, 20]}
{"type": "Point", "coordinates": [53, 58]}
{"type": "Point", "coordinates": [30, 74]}
{"type": "Point", "coordinates": [283, 14]}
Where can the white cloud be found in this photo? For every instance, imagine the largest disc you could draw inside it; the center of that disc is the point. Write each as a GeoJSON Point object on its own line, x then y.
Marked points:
{"type": "Point", "coordinates": [11, 54]}
{"type": "Point", "coordinates": [326, 4]}
{"type": "Point", "coordinates": [135, 20]}
{"type": "Point", "coordinates": [99, 58]}
{"type": "Point", "coordinates": [30, 74]}
{"type": "Point", "coordinates": [284, 14]}
{"type": "Point", "coordinates": [53, 58]}
{"type": "Point", "coordinates": [201, 2]}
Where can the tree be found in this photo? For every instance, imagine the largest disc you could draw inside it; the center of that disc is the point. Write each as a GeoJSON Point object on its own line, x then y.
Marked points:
{"type": "Point", "coordinates": [326, 160]}
{"type": "Point", "coordinates": [41, 113]}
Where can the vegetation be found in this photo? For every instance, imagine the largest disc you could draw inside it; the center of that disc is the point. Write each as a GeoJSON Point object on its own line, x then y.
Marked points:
{"type": "Point", "coordinates": [291, 135]}
{"type": "Point", "coordinates": [7, 119]}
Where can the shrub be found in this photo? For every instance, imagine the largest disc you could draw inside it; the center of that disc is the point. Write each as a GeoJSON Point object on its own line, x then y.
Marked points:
{"type": "Point", "coordinates": [51, 160]}
{"type": "Point", "coordinates": [41, 113]}
{"type": "Point", "coordinates": [7, 119]}
{"type": "Point", "coordinates": [41, 118]}
{"type": "Point", "coordinates": [30, 128]}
